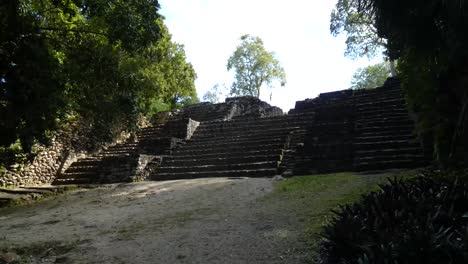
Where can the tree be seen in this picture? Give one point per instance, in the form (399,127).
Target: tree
(216,93)
(371,76)
(254,67)
(166,73)
(429,39)
(101,60)
(362,38)
(361,35)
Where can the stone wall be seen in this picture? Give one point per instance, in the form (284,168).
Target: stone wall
(191,128)
(66,147)
(146,165)
(251,106)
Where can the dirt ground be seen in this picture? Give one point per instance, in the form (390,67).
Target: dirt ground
(188,221)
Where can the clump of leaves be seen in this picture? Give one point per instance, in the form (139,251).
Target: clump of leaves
(421,220)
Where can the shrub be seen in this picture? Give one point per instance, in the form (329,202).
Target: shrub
(421,220)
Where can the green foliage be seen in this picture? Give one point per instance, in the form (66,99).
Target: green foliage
(12,154)
(254,67)
(429,39)
(216,94)
(371,76)
(166,73)
(361,34)
(311,198)
(104,61)
(421,220)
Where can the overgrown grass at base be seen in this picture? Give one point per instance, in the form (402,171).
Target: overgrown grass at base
(314,197)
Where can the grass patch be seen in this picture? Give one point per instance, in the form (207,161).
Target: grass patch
(36,197)
(39,252)
(312,198)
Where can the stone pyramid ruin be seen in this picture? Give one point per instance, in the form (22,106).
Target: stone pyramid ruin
(349,130)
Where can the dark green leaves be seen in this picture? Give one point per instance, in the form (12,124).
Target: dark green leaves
(372,76)
(415,221)
(100,60)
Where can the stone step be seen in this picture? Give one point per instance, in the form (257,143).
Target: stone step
(124,144)
(68,181)
(333,154)
(151,129)
(327,126)
(115,155)
(152,136)
(402,156)
(117,151)
(212,174)
(241,142)
(376,108)
(246,132)
(81,168)
(354,99)
(78,175)
(387,123)
(183,152)
(383,132)
(90,161)
(383,112)
(359,100)
(387,152)
(377,96)
(249,127)
(405,129)
(122,149)
(253,134)
(384,117)
(377,138)
(96,166)
(288,119)
(23,190)
(382,103)
(386,145)
(223,167)
(220,138)
(392,164)
(253,152)
(220,161)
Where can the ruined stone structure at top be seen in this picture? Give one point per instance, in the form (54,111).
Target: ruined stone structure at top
(349,130)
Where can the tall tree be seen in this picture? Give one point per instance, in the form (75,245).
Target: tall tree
(166,73)
(87,58)
(429,39)
(371,76)
(254,67)
(362,38)
(361,35)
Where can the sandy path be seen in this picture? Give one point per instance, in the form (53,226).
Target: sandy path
(188,221)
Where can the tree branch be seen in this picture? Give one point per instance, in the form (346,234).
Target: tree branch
(73,30)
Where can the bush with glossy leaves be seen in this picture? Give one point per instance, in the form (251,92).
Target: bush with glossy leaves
(422,220)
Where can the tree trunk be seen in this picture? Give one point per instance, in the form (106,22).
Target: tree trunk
(392,68)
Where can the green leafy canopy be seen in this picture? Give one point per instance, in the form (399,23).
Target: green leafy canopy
(371,76)
(254,67)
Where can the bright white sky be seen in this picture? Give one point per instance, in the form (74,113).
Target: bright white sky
(296,30)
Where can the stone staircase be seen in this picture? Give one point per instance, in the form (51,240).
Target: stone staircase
(242,147)
(245,137)
(110,165)
(376,132)
(385,133)
(120,162)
